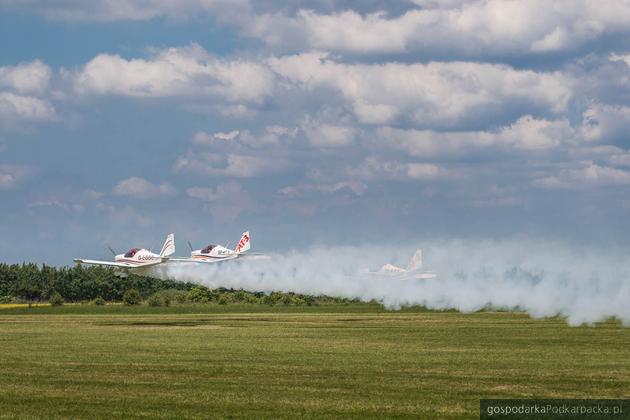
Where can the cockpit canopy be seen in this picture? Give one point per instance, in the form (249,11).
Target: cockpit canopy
(207,249)
(131,252)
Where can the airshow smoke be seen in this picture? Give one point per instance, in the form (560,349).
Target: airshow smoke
(540,278)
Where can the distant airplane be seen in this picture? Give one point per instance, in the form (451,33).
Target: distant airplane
(412,272)
(136,259)
(215,253)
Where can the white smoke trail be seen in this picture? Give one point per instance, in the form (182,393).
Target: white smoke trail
(543,279)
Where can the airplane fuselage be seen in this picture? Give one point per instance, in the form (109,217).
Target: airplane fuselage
(216,253)
(140,257)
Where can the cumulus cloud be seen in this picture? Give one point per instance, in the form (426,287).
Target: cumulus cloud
(375,168)
(29,78)
(116,10)
(525,134)
(229,164)
(136,187)
(22,107)
(225,202)
(188,71)
(586,174)
(418,94)
(22,93)
(437,93)
(201,137)
(272,135)
(622,158)
(455,28)
(321,134)
(356,187)
(12,175)
(609,123)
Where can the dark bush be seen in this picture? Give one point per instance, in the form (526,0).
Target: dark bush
(242,296)
(251,298)
(99,301)
(180,296)
(132,297)
(309,300)
(268,300)
(6,299)
(200,294)
(155,300)
(55,299)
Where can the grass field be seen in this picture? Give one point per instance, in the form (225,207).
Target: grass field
(348,360)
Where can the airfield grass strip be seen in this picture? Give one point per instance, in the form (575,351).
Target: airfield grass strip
(301,364)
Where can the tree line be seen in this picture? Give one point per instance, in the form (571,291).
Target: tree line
(31,282)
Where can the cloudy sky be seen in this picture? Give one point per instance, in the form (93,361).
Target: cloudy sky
(314,122)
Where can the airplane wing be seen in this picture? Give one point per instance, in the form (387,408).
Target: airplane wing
(254,256)
(119,264)
(203,261)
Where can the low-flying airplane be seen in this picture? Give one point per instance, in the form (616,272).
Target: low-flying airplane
(412,272)
(136,259)
(215,253)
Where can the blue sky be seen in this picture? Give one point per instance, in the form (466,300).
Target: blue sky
(316,122)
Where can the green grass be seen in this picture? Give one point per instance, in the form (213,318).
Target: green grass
(287,362)
(201,308)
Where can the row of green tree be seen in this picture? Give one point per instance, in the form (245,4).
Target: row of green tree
(33,283)
(222,296)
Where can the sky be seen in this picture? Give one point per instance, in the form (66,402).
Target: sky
(322,122)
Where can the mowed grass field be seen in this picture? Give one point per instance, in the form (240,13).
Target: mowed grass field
(351,361)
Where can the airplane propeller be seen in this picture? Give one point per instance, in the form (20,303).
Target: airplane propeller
(190,246)
(111,250)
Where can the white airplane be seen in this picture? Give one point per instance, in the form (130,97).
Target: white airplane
(215,253)
(412,272)
(136,259)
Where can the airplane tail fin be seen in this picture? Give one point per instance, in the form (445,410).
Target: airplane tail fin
(416,261)
(168,248)
(244,244)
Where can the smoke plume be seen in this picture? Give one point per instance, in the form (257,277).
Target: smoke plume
(544,279)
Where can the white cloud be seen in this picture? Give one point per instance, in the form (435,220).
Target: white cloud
(374,168)
(91,195)
(270,136)
(138,10)
(201,137)
(12,175)
(141,188)
(23,91)
(14,106)
(606,123)
(356,187)
(29,78)
(525,134)
(620,57)
(229,164)
(321,134)
(587,174)
(187,71)
(225,202)
(620,159)
(237,111)
(470,28)
(279,130)
(442,93)
(344,31)
(244,139)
